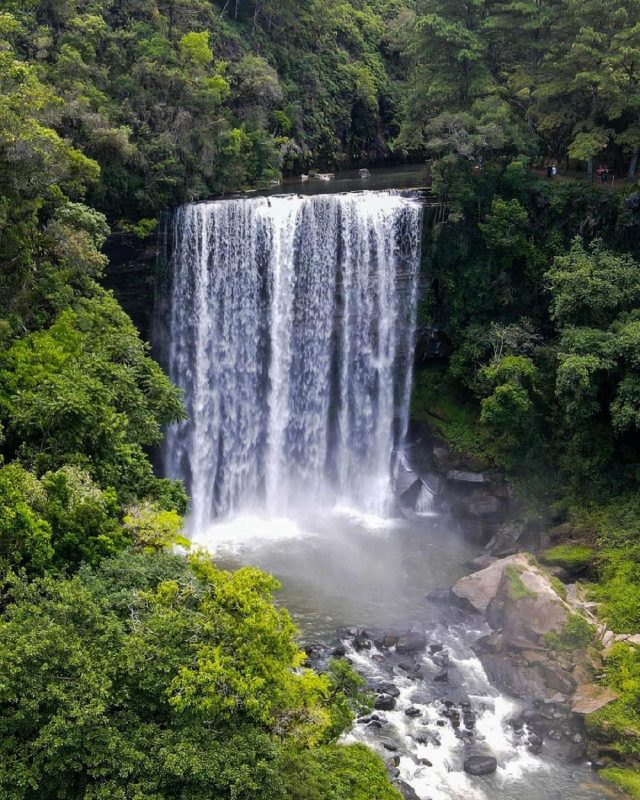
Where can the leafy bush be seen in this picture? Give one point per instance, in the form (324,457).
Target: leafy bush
(576,634)
(163,679)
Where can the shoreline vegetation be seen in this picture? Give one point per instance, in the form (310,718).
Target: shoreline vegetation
(126,672)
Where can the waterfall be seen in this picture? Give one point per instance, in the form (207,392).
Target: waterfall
(289,323)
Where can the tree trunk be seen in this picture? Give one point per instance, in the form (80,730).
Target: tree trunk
(633,166)
(590,167)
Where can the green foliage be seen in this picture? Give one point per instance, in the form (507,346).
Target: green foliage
(592,286)
(158,679)
(156,94)
(334,772)
(493,81)
(154,529)
(25,537)
(85,392)
(576,634)
(570,556)
(619,722)
(627,779)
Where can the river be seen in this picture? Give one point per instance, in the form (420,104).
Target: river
(288,320)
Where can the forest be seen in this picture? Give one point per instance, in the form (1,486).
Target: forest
(127,671)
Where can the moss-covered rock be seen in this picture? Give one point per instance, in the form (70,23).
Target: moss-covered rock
(575,558)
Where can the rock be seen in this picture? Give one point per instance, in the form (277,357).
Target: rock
(440,596)
(590,697)
(517,597)
(581,674)
(339,652)
(466,476)
(362,642)
(405,790)
(517,681)
(427,737)
(556,679)
(420,696)
(393,772)
(389,744)
(442,677)
(409,498)
(534,743)
(482,562)
(488,506)
(403,476)
(481,587)
(384,702)
(412,711)
(387,688)
(494,643)
(480,765)
(506,540)
(411,642)
(435,647)
(442,458)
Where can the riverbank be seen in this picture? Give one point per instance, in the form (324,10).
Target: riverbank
(590,549)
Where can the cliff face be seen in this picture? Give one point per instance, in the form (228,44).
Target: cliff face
(131,277)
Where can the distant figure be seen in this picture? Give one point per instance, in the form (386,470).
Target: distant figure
(364,173)
(554,171)
(604,175)
(549,171)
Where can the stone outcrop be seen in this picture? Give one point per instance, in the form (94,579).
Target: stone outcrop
(517,597)
(590,697)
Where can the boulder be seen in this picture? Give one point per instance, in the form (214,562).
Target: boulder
(480,764)
(556,678)
(590,697)
(506,541)
(486,506)
(480,588)
(517,597)
(386,687)
(411,642)
(384,702)
(466,476)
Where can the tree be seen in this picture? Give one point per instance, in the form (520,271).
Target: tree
(188,686)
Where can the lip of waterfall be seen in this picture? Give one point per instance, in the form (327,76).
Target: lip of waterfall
(289,325)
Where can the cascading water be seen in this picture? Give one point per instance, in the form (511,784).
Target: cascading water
(289,326)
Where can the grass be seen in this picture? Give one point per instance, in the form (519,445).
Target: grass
(618,723)
(573,557)
(558,587)
(614,527)
(517,588)
(626,779)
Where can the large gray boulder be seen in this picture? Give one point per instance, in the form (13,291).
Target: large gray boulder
(517,596)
